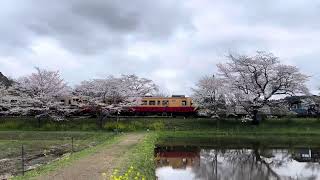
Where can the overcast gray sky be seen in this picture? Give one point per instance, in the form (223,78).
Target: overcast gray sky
(173,42)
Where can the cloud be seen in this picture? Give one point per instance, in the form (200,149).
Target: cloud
(91,26)
(173,42)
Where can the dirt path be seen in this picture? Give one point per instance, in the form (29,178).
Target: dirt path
(93,166)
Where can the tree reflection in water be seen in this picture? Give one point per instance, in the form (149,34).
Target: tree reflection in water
(248,164)
(245,164)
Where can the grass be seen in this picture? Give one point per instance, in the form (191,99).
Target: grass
(32,124)
(307,126)
(42,147)
(141,157)
(67,160)
(185,138)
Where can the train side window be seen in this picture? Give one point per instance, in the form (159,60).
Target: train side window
(152,103)
(165,103)
(184,103)
(144,103)
(159,103)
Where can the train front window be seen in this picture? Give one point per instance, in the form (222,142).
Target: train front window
(165,103)
(184,103)
(152,103)
(144,103)
(159,103)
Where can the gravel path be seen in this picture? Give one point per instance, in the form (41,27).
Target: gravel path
(92,167)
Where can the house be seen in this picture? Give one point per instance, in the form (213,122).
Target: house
(304,105)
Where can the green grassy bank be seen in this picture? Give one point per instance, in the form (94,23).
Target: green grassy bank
(288,126)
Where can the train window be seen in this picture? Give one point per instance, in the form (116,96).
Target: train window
(165,103)
(152,103)
(144,102)
(184,103)
(159,102)
(13,101)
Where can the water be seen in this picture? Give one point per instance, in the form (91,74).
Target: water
(237,162)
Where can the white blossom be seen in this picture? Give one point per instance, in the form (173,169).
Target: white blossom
(210,95)
(44,85)
(255,80)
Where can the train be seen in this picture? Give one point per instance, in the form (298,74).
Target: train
(176,105)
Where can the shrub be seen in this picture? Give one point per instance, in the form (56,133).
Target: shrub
(9,125)
(119,126)
(157,126)
(131,173)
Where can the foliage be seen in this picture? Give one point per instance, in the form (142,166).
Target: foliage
(130,174)
(43,85)
(210,95)
(253,80)
(114,90)
(141,158)
(134,126)
(157,126)
(109,95)
(137,86)
(285,125)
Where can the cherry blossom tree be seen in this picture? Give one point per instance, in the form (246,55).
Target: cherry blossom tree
(210,95)
(15,102)
(162,92)
(137,86)
(114,90)
(3,91)
(255,79)
(110,90)
(43,85)
(109,95)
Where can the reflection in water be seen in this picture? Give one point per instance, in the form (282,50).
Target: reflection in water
(237,164)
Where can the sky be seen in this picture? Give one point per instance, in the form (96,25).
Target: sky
(172,42)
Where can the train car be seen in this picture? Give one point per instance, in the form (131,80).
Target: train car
(177,105)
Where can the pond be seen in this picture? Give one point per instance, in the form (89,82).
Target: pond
(237,160)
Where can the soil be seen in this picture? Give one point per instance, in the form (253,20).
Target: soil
(92,167)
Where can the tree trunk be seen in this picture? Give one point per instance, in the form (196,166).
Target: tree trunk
(100,118)
(256,119)
(39,122)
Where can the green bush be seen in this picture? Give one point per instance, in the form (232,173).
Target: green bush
(88,127)
(9,125)
(157,126)
(112,126)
